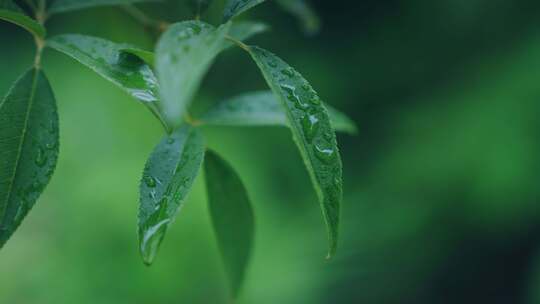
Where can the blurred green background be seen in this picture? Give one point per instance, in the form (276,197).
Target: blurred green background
(441,185)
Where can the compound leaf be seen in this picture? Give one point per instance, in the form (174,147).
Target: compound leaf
(184,54)
(234,8)
(22,20)
(232,217)
(167,179)
(60,6)
(28,148)
(264,109)
(312,132)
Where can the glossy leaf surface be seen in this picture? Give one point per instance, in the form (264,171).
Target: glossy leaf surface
(234,8)
(147,56)
(167,179)
(23,21)
(28,148)
(264,109)
(312,132)
(232,217)
(183,56)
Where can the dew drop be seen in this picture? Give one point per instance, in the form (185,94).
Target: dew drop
(310,124)
(150,181)
(41,158)
(170,140)
(314,100)
(293,97)
(272,63)
(288,72)
(325,155)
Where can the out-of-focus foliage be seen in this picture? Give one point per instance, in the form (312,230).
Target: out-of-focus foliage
(441,197)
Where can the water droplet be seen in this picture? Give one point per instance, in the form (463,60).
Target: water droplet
(150,181)
(325,155)
(41,158)
(291,96)
(306,86)
(272,63)
(310,124)
(151,238)
(314,100)
(170,140)
(50,145)
(288,72)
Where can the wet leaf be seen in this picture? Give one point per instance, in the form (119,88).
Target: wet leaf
(234,8)
(167,179)
(232,217)
(147,56)
(183,56)
(264,109)
(28,148)
(22,20)
(106,59)
(60,6)
(302,10)
(312,131)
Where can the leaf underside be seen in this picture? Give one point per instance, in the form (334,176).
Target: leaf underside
(232,217)
(262,108)
(167,179)
(312,131)
(28,148)
(184,54)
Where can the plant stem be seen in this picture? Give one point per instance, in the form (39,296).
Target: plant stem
(41,17)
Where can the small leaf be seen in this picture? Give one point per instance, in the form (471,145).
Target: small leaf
(168,177)
(302,10)
(146,56)
(106,59)
(183,56)
(28,148)
(264,109)
(244,30)
(23,21)
(312,132)
(60,6)
(234,8)
(232,217)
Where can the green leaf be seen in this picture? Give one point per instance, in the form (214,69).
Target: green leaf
(107,59)
(28,148)
(147,56)
(232,217)
(10,5)
(302,10)
(199,6)
(264,109)
(312,132)
(60,6)
(183,56)
(234,8)
(168,177)
(23,21)
(243,30)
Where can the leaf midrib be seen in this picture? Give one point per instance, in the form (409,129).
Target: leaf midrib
(22,141)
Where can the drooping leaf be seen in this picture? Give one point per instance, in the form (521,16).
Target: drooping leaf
(147,56)
(106,59)
(28,148)
(199,6)
(234,8)
(60,6)
(183,56)
(302,10)
(312,132)
(22,20)
(232,217)
(167,179)
(264,109)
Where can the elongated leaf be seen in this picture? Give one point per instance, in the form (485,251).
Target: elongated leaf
(302,10)
(107,59)
(232,217)
(167,179)
(234,8)
(312,132)
(28,148)
(60,6)
(183,55)
(147,56)
(23,21)
(264,109)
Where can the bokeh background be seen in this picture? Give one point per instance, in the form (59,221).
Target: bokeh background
(441,184)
